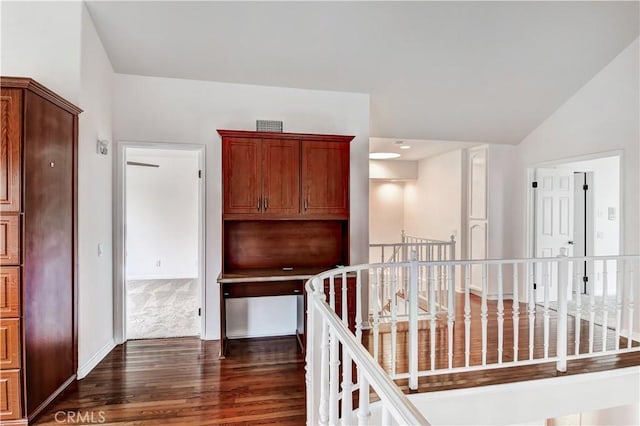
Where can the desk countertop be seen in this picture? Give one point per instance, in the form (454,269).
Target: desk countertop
(270,275)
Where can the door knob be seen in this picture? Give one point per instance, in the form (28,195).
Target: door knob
(570,242)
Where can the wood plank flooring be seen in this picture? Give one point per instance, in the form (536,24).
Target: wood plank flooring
(181,380)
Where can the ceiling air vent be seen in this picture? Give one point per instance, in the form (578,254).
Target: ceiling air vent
(269,126)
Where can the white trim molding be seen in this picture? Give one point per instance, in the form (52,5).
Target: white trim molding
(86,368)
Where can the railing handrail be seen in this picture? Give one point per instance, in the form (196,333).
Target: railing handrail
(360,267)
(400,406)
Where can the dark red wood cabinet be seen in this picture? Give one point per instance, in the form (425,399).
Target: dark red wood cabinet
(38,310)
(285,212)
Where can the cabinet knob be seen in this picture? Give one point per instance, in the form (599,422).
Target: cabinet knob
(226,294)
(258,206)
(296,290)
(52,164)
(266,203)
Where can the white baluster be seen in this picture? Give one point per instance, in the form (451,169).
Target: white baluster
(605,310)
(359,305)
(394,316)
(332,293)
(334,364)
(467,315)
(376,317)
(630,309)
(561,329)
(500,314)
(592,313)
(532,308)
(619,285)
(450,314)
(363,401)
(347,382)
(516,312)
(484,314)
(433,314)
(546,312)
(578,326)
(324,374)
(413,324)
(386,415)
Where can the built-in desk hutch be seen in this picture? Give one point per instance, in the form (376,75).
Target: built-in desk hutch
(285,214)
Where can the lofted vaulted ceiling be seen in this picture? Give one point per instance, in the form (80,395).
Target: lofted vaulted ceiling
(464,71)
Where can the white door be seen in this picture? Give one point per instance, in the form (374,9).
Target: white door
(553,222)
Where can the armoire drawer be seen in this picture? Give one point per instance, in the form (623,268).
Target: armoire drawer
(10,240)
(10,292)
(10,407)
(9,343)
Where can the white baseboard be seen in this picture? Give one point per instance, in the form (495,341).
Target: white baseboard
(245,334)
(86,368)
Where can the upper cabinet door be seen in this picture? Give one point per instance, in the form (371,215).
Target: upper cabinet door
(10,130)
(325,178)
(241,175)
(280,176)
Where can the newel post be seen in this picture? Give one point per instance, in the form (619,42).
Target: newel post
(413,322)
(563,283)
(314,346)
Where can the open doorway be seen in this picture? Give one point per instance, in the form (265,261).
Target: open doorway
(576,207)
(159,229)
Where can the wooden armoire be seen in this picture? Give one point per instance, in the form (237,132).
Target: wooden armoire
(38,299)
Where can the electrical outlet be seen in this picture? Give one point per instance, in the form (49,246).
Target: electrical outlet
(158,263)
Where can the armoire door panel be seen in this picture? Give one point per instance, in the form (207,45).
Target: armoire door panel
(241,179)
(281,176)
(10,407)
(10,292)
(325,177)
(10,132)
(9,343)
(48,305)
(10,240)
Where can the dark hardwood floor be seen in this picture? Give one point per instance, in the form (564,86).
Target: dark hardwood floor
(181,381)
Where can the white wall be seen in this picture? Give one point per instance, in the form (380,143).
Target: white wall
(162,214)
(623,415)
(433,202)
(188,111)
(56,44)
(95,281)
(602,116)
(393,169)
(42,40)
(386,214)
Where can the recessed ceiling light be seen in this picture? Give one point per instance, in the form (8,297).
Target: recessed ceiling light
(383,155)
(405,146)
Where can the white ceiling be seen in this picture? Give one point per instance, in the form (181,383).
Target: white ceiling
(465,71)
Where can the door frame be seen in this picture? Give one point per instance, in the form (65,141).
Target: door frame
(530,228)
(119,239)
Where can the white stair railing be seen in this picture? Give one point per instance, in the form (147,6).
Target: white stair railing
(412,248)
(553,293)
(329,340)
